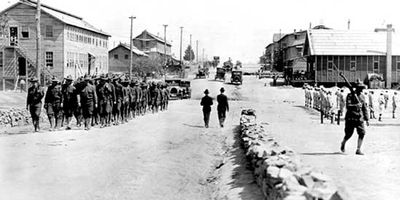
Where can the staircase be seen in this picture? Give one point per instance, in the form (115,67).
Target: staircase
(46,74)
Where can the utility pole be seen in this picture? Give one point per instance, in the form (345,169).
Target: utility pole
(197,51)
(180,54)
(38,42)
(190,54)
(203,56)
(130,46)
(389,29)
(165,43)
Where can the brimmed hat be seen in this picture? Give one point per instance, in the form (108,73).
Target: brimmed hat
(222,89)
(69,78)
(360,85)
(87,78)
(54,79)
(206,91)
(33,79)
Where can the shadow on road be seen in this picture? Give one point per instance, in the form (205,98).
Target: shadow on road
(382,124)
(193,126)
(322,154)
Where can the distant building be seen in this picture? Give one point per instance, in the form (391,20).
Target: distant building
(119,57)
(70,45)
(151,44)
(355,53)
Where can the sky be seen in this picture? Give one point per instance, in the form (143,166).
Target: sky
(227,28)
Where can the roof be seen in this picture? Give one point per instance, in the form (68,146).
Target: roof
(62,16)
(277,36)
(152,36)
(134,49)
(349,42)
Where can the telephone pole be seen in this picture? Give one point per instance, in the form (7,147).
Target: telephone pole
(180,54)
(197,51)
(190,54)
(165,43)
(130,46)
(389,29)
(38,42)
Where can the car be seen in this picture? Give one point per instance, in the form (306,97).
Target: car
(220,75)
(201,74)
(178,88)
(264,74)
(237,77)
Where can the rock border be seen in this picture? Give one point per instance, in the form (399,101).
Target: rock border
(278,170)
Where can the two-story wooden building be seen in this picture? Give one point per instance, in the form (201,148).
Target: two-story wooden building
(152,44)
(355,53)
(120,56)
(69,45)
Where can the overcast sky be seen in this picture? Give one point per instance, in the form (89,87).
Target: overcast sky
(227,28)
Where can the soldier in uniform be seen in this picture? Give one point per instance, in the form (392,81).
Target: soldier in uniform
(356,115)
(87,99)
(118,101)
(222,107)
(158,96)
(125,104)
(144,98)
(104,96)
(113,101)
(34,102)
(70,100)
(206,102)
(134,96)
(53,104)
(79,85)
(395,103)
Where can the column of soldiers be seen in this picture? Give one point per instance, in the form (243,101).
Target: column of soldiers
(332,104)
(103,100)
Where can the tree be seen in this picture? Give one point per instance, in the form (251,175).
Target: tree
(189,54)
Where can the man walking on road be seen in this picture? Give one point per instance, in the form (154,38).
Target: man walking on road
(356,114)
(222,107)
(206,102)
(34,102)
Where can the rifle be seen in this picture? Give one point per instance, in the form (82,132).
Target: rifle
(349,86)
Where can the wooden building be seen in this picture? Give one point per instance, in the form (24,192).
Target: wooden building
(119,58)
(70,45)
(355,53)
(152,44)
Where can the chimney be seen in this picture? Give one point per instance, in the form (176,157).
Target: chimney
(294,31)
(348,24)
(310,26)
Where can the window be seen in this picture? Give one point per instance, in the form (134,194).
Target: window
(353,66)
(397,65)
(1,59)
(376,64)
(49,31)
(49,60)
(116,56)
(25,32)
(126,56)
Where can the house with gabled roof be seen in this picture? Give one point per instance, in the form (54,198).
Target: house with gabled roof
(152,44)
(120,56)
(354,53)
(69,44)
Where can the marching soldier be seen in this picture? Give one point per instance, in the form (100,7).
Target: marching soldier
(134,97)
(104,97)
(79,85)
(118,102)
(70,101)
(125,104)
(356,115)
(53,103)
(88,101)
(395,103)
(113,101)
(166,94)
(34,102)
(371,104)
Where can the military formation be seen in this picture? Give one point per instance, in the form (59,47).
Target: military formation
(332,102)
(102,100)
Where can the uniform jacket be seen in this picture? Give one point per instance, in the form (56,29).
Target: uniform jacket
(35,96)
(54,95)
(356,111)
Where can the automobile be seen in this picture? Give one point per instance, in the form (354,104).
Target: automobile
(201,74)
(178,88)
(264,74)
(220,75)
(237,77)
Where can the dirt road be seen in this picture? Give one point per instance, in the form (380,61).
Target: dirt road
(168,155)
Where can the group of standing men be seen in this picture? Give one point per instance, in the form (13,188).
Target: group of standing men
(101,100)
(332,104)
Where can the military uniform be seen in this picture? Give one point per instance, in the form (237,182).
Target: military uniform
(118,102)
(70,101)
(53,104)
(88,101)
(104,96)
(34,103)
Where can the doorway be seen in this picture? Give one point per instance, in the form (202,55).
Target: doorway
(13,36)
(21,66)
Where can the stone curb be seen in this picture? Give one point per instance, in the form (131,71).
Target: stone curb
(278,170)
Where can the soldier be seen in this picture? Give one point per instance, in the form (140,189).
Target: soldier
(381,102)
(340,102)
(356,114)
(53,104)
(70,100)
(118,101)
(159,96)
(386,97)
(104,96)
(395,103)
(96,111)
(113,101)
(87,99)
(125,104)
(166,95)
(79,85)
(371,104)
(134,97)
(206,102)
(222,107)
(34,102)
(143,98)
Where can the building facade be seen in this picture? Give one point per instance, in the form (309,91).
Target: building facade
(120,56)
(69,45)
(152,44)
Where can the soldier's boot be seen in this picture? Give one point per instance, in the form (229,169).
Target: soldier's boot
(342,146)
(359,143)
(68,121)
(102,122)
(52,123)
